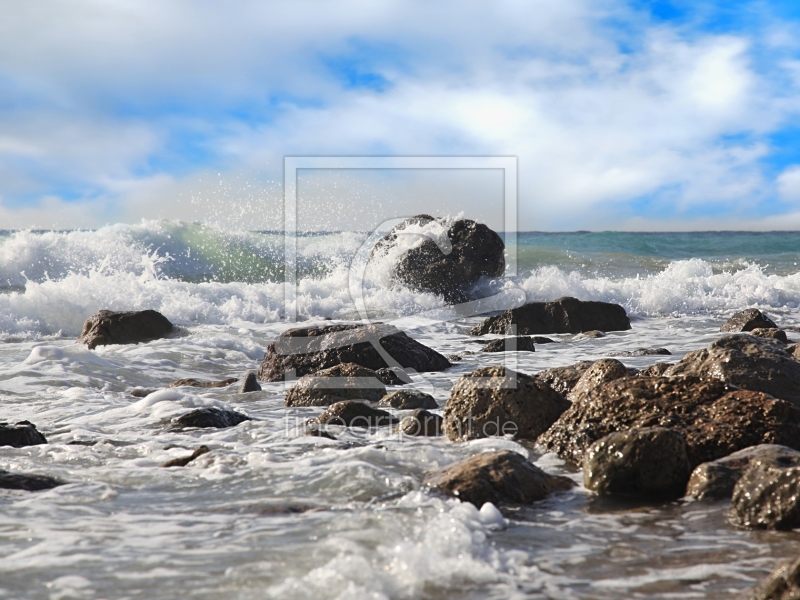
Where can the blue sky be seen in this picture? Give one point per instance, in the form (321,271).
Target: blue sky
(624,114)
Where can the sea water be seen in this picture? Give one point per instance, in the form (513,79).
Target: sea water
(270,513)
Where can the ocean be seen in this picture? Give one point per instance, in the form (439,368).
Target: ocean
(270,513)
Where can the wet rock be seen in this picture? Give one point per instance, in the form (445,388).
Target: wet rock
(794,351)
(27,482)
(317,431)
(502,477)
(422,423)
(20,434)
(643,352)
(563,379)
(714,418)
(141,392)
(249,384)
(655,370)
(185,460)
(409,400)
(565,315)
(310,349)
(493,401)
(519,343)
(771,333)
(716,479)
(747,320)
(748,362)
(767,496)
(346,381)
(393,376)
(606,369)
(475,251)
(453,357)
(644,463)
(351,413)
(782,584)
(208,417)
(108,327)
(201,384)
(538,339)
(592,335)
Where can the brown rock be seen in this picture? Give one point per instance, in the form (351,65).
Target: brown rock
(794,351)
(715,419)
(393,376)
(606,369)
(350,413)
(565,315)
(520,343)
(747,320)
(767,496)
(201,384)
(655,370)
(497,401)
(310,349)
(643,352)
(502,477)
(782,584)
(771,333)
(563,379)
(422,423)
(346,381)
(409,400)
(108,327)
(208,417)
(185,460)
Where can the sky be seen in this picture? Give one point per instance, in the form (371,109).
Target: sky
(622,114)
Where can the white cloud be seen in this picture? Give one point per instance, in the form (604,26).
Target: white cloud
(789,184)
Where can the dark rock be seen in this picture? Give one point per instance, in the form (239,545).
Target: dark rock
(108,327)
(317,431)
(782,584)
(351,413)
(208,417)
(202,384)
(494,401)
(716,479)
(250,384)
(655,370)
(563,379)
(502,477)
(715,419)
(772,333)
(565,315)
(24,481)
(141,392)
(747,320)
(537,339)
(643,352)
(476,252)
(346,381)
(607,369)
(519,343)
(393,376)
(767,496)
(20,434)
(592,335)
(185,460)
(409,400)
(644,463)
(310,349)
(748,362)
(422,423)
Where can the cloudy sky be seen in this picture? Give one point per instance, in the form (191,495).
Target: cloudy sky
(649,115)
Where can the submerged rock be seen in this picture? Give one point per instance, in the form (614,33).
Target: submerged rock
(108,327)
(409,400)
(502,477)
(422,423)
(565,315)
(714,418)
(747,320)
(716,479)
(475,251)
(644,463)
(520,343)
(771,333)
(310,349)
(201,384)
(317,431)
(350,413)
(393,376)
(346,381)
(494,401)
(643,352)
(767,496)
(185,460)
(141,392)
(538,339)
(606,369)
(208,417)
(23,433)
(782,584)
(563,379)
(592,335)
(748,362)
(249,384)
(27,482)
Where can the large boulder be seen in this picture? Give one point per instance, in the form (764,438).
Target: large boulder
(346,381)
(351,413)
(767,496)
(748,362)
(107,327)
(644,463)
(565,315)
(782,584)
(715,480)
(603,370)
(475,251)
(715,418)
(307,350)
(502,477)
(20,434)
(563,379)
(493,401)
(747,320)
